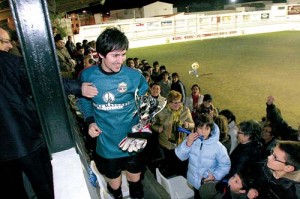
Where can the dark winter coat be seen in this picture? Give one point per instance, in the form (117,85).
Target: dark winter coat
(245,156)
(20,130)
(271,188)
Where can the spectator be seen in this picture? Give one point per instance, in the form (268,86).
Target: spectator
(208,158)
(109,114)
(130,63)
(268,139)
(178,86)
(167,122)
(285,131)
(152,151)
(279,178)
(70,46)
(207,107)
(22,146)
(66,63)
(233,129)
(194,100)
(165,84)
(236,187)
(249,150)
(147,76)
(136,62)
(155,72)
(222,123)
(79,58)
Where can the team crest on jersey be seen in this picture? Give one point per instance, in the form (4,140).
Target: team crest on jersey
(122,88)
(108,97)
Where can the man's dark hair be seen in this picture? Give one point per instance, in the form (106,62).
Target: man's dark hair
(291,149)
(111,39)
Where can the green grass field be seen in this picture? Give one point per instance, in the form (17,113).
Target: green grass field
(239,72)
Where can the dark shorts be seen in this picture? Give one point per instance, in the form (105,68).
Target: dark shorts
(112,168)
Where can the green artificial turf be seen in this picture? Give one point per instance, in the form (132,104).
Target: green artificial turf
(239,72)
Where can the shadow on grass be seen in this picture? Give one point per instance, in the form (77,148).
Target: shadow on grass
(206,74)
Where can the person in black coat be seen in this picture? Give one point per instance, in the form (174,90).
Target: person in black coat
(178,86)
(283,129)
(249,150)
(22,147)
(280,177)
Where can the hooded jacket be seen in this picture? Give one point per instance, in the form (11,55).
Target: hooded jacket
(207,156)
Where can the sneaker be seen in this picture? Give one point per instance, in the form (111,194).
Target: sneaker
(92,178)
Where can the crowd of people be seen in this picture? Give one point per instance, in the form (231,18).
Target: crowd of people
(220,157)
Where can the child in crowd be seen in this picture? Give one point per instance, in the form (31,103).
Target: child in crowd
(236,187)
(207,106)
(280,176)
(208,158)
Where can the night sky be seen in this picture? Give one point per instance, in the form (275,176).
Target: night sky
(126,4)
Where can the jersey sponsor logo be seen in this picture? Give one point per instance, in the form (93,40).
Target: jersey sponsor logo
(122,87)
(108,97)
(107,107)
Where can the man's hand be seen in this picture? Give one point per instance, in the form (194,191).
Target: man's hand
(270,100)
(88,90)
(252,193)
(94,130)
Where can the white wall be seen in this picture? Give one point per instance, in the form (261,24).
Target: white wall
(181,27)
(158,8)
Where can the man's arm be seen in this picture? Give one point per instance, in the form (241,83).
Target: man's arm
(273,114)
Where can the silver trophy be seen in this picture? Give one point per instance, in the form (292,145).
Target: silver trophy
(147,108)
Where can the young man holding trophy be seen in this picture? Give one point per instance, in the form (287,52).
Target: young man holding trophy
(119,114)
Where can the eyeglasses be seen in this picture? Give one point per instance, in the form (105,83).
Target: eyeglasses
(6,41)
(275,157)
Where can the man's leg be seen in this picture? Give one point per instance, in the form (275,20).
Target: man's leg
(133,166)
(114,187)
(11,180)
(38,169)
(135,185)
(112,169)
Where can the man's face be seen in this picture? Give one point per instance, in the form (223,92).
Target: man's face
(174,79)
(5,42)
(276,161)
(60,44)
(155,90)
(267,133)
(235,183)
(113,61)
(130,63)
(207,103)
